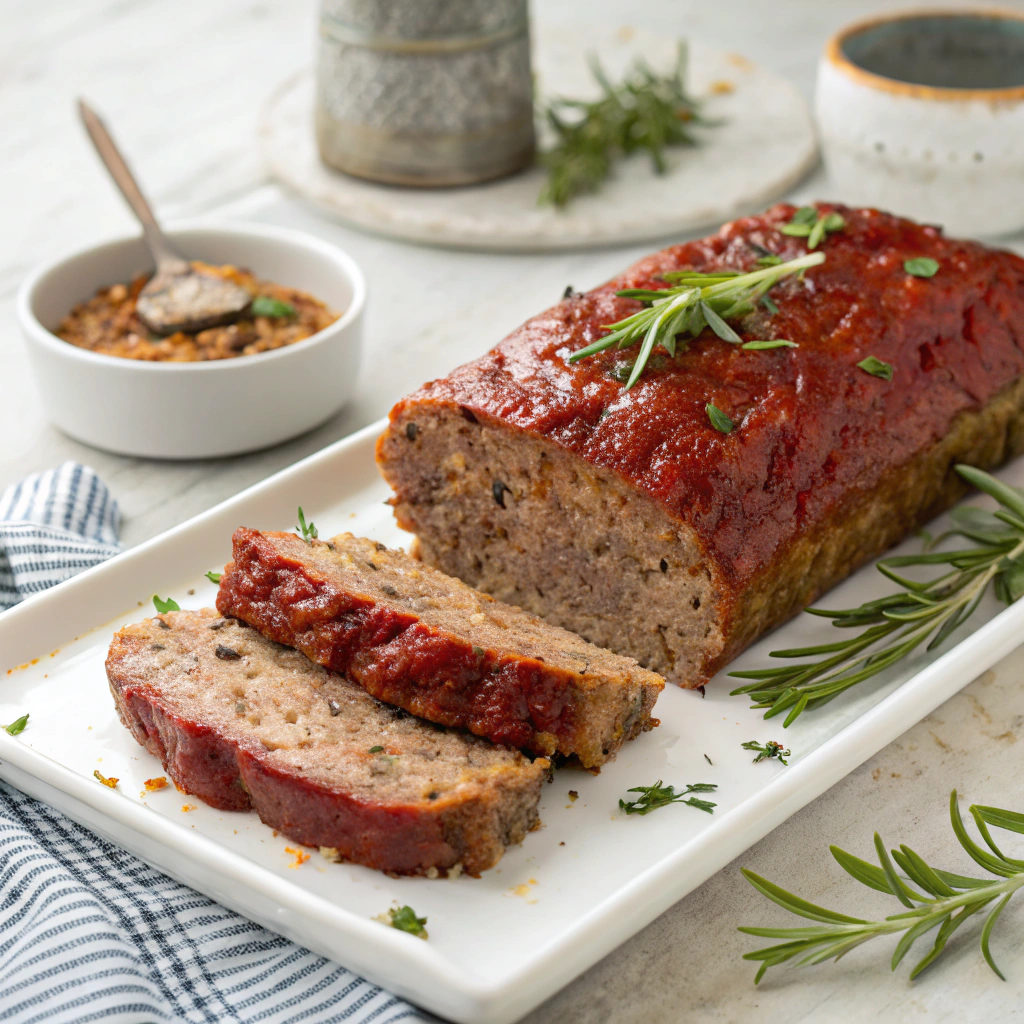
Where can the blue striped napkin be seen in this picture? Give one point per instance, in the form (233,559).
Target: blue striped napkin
(87,931)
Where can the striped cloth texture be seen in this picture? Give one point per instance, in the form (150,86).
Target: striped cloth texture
(88,932)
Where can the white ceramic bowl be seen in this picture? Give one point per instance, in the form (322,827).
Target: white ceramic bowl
(902,128)
(203,409)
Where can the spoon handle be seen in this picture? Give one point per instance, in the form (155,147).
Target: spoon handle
(161,249)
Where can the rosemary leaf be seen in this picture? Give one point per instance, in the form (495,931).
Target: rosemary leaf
(760,346)
(307,530)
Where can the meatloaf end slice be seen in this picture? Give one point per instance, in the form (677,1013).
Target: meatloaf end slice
(426,642)
(244,723)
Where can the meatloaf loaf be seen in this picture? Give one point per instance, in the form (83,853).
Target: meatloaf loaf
(242,722)
(419,639)
(627,517)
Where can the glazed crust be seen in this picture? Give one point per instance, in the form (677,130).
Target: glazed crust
(827,465)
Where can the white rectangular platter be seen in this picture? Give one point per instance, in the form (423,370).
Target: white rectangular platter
(585,882)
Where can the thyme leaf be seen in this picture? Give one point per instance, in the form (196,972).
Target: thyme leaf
(921,266)
(692,301)
(806,223)
(920,613)
(933,898)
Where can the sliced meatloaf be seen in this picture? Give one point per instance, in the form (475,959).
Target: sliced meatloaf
(414,637)
(244,723)
(627,517)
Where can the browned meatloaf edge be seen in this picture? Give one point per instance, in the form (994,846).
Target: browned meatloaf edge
(244,723)
(627,517)
(423,641)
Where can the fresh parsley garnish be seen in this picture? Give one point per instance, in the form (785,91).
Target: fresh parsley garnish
(644,113)
(17,726)
(376,750)
(933,898)
(169,605)
(308,530)
(653,797)
(718,419)
(692,301)
(760,346)
(921,266)
(807,223)
(405,920)
(214,577)
(876,367)
(766,751)
(921,613)
(265,305)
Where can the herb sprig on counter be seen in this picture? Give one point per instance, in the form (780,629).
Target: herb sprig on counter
(895,626)
(645,112)
(691,302)
(933,898)
(653,797)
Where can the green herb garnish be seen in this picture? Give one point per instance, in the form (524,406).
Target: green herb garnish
(16,727)
(765,300)
(645,112)
(264,305)
(876,367)
(693,301)
(766,751)
(934,899)
(806,223)
(658,795)
(921,266)
(376,750)
(405,920)
(308,530)
(896,625)
(718,419)
(760,346)
(170,605)
(214,577)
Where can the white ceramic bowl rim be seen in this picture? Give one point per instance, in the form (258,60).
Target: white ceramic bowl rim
(348,266)
(835,53)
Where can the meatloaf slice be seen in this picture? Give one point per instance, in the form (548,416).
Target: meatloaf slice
(629,518)
(244,723)
(428,643)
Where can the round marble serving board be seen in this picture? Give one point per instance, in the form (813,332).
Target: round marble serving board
(762,146)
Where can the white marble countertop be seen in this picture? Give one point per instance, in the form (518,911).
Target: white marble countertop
(182,86)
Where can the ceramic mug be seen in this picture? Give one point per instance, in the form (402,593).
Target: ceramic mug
(922,114)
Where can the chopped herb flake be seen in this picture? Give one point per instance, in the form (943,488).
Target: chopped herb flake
(214,577)
(308,530)
(405,920)
(760,346)
(921,266)
(766,751)
(876,367)
(170,605)
(376,750)
(718,419)
(17,726)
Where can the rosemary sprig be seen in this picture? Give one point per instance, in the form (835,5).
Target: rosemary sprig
(692,302)
(896,625)
(658,795)
(946,902)
(645,112)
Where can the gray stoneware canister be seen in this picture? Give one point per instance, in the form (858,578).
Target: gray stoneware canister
(425,92)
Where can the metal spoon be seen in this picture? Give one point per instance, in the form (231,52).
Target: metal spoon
(177,297)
